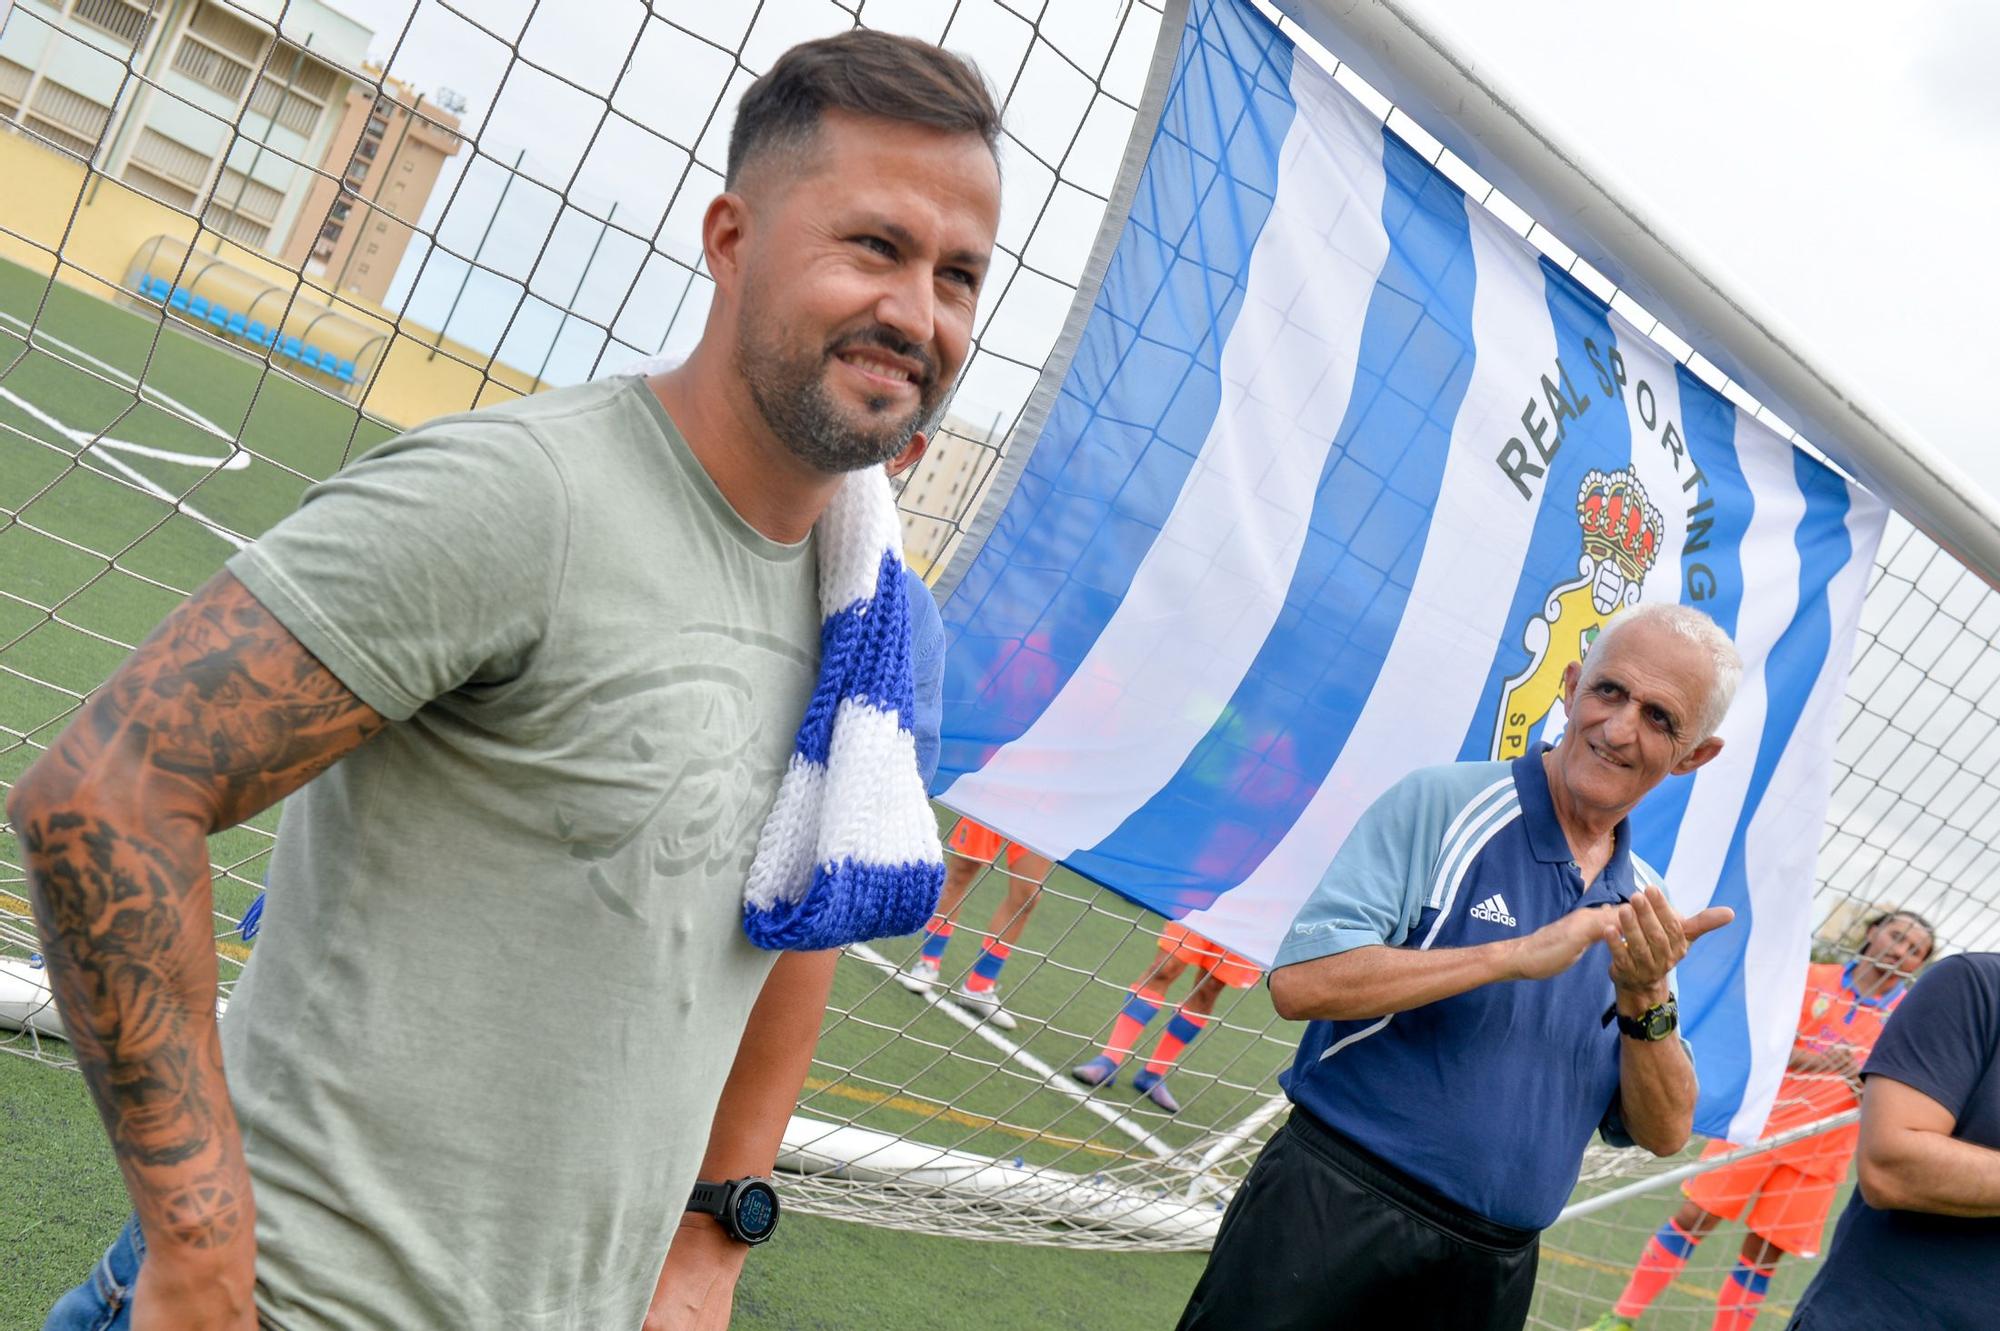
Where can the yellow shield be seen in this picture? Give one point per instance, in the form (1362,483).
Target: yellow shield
(1621,531)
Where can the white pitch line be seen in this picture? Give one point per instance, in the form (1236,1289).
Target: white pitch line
(236,460)
(106,449)
(180,408)
(1049,1075)
(180,505)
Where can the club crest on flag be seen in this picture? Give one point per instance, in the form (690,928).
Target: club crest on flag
(1621,530)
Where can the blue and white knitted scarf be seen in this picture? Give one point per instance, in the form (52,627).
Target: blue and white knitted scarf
(850,850)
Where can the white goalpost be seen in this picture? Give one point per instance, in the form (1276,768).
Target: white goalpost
(203,181)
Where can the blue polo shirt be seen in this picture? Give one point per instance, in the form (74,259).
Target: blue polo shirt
(1488,1097)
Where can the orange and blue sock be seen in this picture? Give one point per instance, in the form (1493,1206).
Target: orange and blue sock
(937,937)
(1180,1033)
(1742,1294)
(1666,1253)
(985,973)
(1129,1026)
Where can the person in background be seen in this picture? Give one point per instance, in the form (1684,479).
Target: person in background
(1180,948)
(1840,1019)
(1919,1242)
(971,850)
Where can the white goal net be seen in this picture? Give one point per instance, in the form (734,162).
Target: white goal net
(248,239)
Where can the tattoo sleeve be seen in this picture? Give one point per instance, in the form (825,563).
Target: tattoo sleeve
(219,714)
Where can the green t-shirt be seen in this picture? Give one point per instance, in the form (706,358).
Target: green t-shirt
(502,977)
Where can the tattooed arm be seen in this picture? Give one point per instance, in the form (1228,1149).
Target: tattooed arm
(219,714)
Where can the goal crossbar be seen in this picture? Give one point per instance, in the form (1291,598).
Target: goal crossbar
(1496,131)
(1604,1201)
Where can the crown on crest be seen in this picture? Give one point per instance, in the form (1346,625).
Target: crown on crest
(1619,522)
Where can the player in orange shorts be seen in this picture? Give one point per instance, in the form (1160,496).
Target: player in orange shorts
(1180,948)
(970,851)
(1795,1185)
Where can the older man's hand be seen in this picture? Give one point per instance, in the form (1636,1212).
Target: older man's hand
(1555,947)
(1652,938)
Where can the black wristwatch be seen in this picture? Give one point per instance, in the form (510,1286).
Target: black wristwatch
(747,1207)
(1655,1023)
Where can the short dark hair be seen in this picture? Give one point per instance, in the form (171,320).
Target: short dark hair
(1869,927)
(866,73)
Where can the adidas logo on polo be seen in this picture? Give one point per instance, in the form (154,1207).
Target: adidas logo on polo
(1494,910)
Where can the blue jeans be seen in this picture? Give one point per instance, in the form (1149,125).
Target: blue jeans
(104,1301)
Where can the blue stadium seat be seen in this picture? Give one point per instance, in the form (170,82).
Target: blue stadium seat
(289,348)
(236,325)
(258,334)
(219,316)
(310,358)
(344,371)
(149,289)
(198,307)
(179,298)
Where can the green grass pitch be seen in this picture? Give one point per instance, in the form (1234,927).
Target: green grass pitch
(86,527)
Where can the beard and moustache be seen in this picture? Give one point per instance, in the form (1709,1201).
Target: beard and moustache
(790,393)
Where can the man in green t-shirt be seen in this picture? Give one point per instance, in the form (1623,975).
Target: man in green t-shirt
(542,666)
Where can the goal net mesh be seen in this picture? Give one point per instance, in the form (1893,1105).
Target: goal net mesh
(250,240)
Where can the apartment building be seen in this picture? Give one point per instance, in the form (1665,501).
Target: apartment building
(207,107)
(942,493)
(385,156)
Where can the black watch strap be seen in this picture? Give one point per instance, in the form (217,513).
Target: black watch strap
(747,1208)
(1655,1023)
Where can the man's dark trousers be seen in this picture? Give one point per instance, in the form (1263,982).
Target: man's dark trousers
(1323,1237)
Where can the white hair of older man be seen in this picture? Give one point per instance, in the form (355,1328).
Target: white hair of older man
(1725,665)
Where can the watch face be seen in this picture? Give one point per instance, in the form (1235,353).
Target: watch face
(1661,1021)
(756,1211)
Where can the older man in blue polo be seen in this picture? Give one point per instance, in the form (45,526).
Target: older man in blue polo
(1486,968)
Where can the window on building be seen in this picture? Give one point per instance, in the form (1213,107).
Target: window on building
(243,209)
(13,87)
(220,50)
(128,22)
(295,89)
(66,118)
(167,169)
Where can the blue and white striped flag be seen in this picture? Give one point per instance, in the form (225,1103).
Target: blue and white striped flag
(1340,476)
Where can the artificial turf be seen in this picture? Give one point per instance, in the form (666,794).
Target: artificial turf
(92,554)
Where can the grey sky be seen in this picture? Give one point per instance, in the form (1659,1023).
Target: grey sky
(1838,162)
(1840,159)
